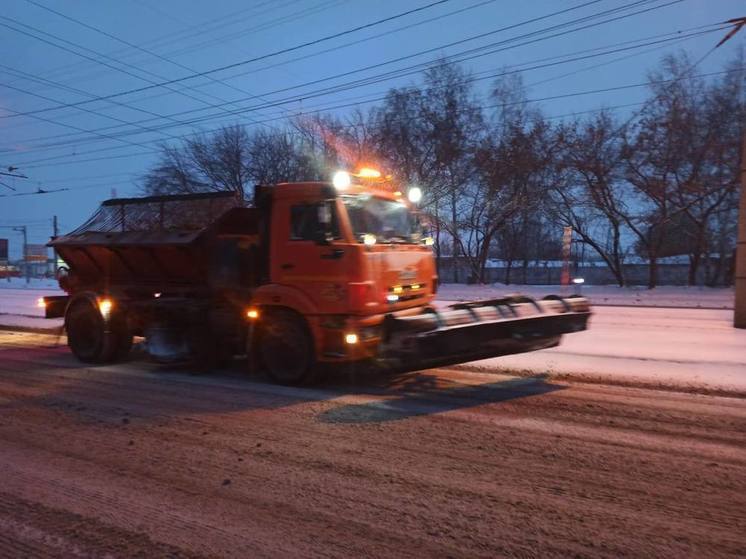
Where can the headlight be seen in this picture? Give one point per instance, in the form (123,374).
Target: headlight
(415,194)
(351,339)
(341,180)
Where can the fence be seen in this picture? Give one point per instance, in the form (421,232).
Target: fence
(594,273)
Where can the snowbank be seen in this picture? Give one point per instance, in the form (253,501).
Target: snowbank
(667,296)
(18,303)
(34,283)
(685,349)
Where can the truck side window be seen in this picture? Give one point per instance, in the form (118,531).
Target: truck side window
(305,224)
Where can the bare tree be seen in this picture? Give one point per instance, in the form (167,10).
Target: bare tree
(709,192)
(202,163)
(513,165)
(456,127)
(506,183)
(427,135)
(680,158)
(525,237)
(588,196)
(232,159)
(277,156)
(509,162)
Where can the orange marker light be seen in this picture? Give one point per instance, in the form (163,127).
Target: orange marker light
(253,314)
(41,303)
(369,173)
(105,305)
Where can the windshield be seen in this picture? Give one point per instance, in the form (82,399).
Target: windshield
(388,220)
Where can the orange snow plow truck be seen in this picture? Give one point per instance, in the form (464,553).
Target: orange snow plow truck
(312,274)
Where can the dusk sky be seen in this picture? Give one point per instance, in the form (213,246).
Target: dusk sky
(79,150)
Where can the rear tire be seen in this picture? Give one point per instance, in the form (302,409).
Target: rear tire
(93,339)
(286,348)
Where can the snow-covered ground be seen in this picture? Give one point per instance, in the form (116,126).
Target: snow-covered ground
(18,302)
(33,283)
(677,348)
(667,296)
(673,347)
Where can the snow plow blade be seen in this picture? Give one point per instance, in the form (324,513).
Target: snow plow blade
(479,330)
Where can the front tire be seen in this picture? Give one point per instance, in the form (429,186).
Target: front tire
(286,348)
(93,339)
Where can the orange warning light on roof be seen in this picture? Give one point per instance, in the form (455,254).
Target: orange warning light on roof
(369,173)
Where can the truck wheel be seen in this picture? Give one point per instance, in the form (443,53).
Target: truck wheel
(286,348)
(93,341)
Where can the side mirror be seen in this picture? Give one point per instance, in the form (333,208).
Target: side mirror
(324,234)
(325,214)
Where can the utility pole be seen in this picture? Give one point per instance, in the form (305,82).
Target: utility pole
(22,229)
(55,232)
(739,307)
(739,314)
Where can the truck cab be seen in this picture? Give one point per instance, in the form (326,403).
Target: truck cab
(344,256)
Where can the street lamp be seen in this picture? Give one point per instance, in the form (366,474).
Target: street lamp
(579,282)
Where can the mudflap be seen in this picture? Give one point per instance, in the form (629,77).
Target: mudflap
(482,329)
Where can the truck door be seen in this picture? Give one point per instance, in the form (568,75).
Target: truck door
(311,255)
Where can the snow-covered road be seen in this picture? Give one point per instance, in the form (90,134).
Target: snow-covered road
(138,460)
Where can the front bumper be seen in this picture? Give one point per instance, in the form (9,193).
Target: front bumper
(465,332)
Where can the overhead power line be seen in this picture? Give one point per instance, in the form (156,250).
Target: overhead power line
(563,59)
(200,29)
(337,47)
(141,49)
(241,63)
(11,173)
(504,71)
(101,59)
(417,67)
(106,136)
(83,109)
(256,28)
